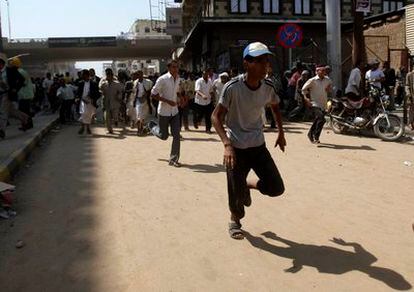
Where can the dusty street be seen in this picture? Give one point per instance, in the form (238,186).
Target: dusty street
(108,214)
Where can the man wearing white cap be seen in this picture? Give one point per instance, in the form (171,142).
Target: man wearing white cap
(219,83)
(11,81)
(87,95)
(142,100)
(203,99)
(240,106)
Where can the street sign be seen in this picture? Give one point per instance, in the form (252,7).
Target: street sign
(82,42)
(290,35)
(363,6)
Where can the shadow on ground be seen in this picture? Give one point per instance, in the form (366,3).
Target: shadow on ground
(345,147)
(193,139)
(55,220)
(202,168)
(327,259)
(205,168)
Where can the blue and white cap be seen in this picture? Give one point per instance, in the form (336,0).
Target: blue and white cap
(256,49)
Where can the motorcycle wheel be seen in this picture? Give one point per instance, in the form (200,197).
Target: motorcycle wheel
(392,132)
(337,128)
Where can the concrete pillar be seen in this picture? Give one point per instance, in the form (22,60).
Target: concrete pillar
(1,37)
(333,38)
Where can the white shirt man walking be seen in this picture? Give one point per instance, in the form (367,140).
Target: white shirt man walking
(166,90)
(315,92)
(204,106)
(354,82)
(112,91)
(142,101)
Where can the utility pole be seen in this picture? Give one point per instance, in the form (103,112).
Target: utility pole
(8,18)
(333,39)
(1,36)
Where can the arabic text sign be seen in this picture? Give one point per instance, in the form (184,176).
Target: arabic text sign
(82,42)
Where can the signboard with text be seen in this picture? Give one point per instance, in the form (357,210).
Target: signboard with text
(85,42)
(363,6)
(174,18)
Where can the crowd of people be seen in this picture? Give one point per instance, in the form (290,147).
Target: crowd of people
(238,106)
(127,98)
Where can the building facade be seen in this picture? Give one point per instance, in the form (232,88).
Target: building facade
(216,31)
(142,29)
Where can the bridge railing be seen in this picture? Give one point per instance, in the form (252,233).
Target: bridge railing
(143,37)
(43,43)
(26,43)
(28,40)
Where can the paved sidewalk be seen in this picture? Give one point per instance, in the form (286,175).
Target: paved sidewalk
(18,145)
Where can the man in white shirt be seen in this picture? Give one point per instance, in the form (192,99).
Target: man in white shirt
(66,93)
(142,101)
(315,92)
(88,95)
(375,76)
(112,91)
(46,84)
(166,90)
(219,83)
(354,82)
(204,106)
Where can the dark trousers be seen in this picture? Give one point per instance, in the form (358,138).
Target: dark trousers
(204,111)
(155,103)
(317,126)
(270,182)
(65,113)
(161,131)
(25,105)
(184,111)
(270,117)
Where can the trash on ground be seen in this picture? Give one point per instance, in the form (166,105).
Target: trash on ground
(20,244)
(5,187)
(408,163)
(6,201)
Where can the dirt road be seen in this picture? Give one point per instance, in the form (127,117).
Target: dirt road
(108,214)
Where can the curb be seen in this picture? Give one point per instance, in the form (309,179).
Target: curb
(11,165)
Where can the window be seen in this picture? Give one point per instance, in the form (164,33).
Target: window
(391,5)
(271,6)
(302,7)
(238,6)
(147,30)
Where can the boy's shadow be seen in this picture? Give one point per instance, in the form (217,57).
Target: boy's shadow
(327,259)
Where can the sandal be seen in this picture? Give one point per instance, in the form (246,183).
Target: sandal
(235,231)
(175,164)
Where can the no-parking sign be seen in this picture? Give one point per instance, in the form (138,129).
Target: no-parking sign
(290,35)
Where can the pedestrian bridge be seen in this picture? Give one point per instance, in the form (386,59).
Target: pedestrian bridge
(90,48)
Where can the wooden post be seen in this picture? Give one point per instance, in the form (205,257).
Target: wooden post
(358,41)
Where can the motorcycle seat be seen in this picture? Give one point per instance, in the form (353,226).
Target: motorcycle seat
(354,104)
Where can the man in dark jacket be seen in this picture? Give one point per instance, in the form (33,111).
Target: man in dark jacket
(87,95)
(11,81)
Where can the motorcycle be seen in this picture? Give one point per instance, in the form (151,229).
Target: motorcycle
(368,113)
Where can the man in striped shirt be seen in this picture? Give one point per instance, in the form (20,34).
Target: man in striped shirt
(241,105)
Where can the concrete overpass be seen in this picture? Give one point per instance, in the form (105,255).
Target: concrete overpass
(90,48)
